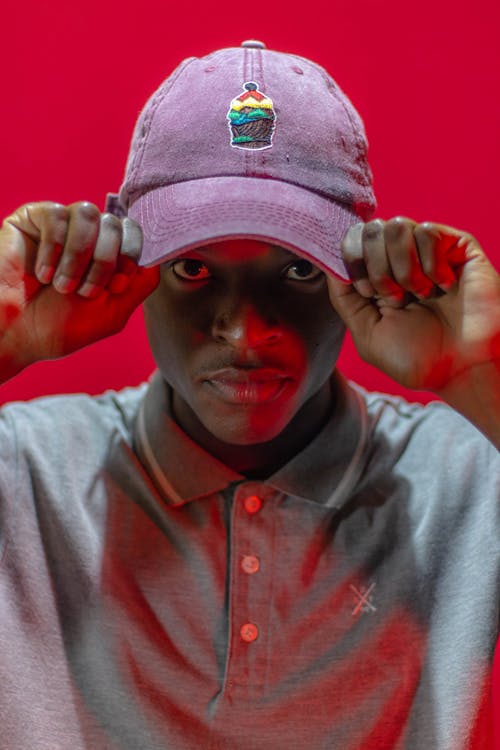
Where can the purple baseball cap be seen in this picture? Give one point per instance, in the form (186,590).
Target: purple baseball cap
(248,143)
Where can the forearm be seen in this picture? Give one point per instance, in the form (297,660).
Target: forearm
(476,395)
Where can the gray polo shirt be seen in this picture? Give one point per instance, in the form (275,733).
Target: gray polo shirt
(150,601)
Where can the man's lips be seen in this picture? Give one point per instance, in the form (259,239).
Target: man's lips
(240,385)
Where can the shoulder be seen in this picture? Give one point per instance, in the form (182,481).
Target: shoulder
(401,422)
(58,424)
(429,443)
(55,451)
(434,477)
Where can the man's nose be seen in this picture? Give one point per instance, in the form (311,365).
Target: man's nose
(243,326)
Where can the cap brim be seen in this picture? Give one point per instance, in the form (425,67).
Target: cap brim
(177,218)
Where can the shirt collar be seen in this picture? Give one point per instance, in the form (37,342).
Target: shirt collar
(327,469)
(323,472)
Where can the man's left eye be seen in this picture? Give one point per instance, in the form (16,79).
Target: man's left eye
(190,269)
(302,270)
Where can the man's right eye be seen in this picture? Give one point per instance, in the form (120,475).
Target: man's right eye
(190,269)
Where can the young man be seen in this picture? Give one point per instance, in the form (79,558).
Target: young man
(249,552)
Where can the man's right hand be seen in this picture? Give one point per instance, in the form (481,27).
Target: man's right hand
(68,277)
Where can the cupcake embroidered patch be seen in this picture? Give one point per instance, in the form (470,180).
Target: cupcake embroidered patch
(251,119)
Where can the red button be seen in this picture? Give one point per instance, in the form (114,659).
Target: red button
(249,632)
(250,564)
(252,503)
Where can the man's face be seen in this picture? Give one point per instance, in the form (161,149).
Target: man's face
(245,334)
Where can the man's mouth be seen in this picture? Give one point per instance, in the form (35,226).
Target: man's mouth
(238,385)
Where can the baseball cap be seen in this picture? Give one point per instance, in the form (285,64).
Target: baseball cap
(253,143)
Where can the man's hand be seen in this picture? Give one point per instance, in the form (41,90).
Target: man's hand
(424,307)
(68,277)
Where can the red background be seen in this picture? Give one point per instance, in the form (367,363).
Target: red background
(424,76)
(426,81)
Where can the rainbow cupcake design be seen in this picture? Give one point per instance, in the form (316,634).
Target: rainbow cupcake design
(251,119)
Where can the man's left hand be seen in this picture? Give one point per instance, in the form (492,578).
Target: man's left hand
(423,304)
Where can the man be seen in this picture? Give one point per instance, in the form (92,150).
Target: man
(249,552)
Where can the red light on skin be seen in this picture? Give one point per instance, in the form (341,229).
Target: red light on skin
(248,387)
(247,338)
(254,404)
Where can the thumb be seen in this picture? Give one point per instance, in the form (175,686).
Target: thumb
(357,312)
(142,284)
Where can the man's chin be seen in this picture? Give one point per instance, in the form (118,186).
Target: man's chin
(242,431)
(211,418)
(247,420)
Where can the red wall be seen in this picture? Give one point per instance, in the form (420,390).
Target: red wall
(426,81)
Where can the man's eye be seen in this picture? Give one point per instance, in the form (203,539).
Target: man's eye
(191,269)
(302,270)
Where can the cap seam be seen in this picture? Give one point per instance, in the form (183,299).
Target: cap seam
(259,157)
(248,76)
(133,197)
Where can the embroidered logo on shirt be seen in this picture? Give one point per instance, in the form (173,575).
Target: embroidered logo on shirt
(251,119)
(364,599)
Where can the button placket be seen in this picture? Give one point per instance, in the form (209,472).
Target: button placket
(249,591)
(249,563)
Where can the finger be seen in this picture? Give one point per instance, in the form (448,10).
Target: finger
(435,247)
(83,230)
(143,283)
(359,314)
(41,229)
(352,251)
(378,265)
(126,269)
(129,255)
(104,259)
(131,239)
(404,258)
(52,222)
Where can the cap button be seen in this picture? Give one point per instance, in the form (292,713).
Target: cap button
(254,43)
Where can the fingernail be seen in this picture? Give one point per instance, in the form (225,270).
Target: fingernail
(90,290)
(44,274)
(64,284)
